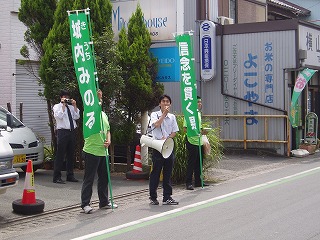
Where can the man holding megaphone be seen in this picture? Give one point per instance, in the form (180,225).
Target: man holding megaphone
(164,125)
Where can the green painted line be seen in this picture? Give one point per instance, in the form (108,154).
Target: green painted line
(209,203)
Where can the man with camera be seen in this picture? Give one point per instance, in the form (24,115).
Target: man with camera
(65,114)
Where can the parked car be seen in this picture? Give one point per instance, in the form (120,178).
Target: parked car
(23,141)
(8,175)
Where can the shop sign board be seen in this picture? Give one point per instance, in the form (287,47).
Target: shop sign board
(251,71)
(207,50)
(311,128)
(309,40)
(168,64)
(160,17)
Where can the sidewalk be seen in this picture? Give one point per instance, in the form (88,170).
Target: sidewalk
(241,165)
(56,196)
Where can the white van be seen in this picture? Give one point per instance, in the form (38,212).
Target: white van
(8,175)
(23,141)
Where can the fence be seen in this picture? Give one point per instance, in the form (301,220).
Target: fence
(265,139)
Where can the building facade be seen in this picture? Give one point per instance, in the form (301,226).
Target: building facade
(18,83)
(249,45)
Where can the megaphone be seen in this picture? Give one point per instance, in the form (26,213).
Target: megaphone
(165,147)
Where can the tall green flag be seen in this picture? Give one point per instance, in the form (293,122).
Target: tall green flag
(301,81)
(83,59)
(188,84)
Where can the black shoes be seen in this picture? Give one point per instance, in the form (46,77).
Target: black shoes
(170,201)
(154,201)
(189,187)
(199,185)
(72,179)
(69,179)
(59,181)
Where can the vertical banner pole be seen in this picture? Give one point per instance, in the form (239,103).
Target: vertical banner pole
(301,81)
(189,88)
(86,72)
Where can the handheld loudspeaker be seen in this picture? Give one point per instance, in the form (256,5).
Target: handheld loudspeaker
(165,147)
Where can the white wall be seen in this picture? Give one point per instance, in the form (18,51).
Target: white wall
(22,87)
(11,40)
(6,82)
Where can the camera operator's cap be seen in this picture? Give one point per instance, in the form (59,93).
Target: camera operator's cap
(64,93)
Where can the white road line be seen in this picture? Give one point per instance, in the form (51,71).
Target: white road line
(181,209)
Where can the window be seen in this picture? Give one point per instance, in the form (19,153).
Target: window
(251,11)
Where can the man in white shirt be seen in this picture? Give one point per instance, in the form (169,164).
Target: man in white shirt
(65,114)
(164,125)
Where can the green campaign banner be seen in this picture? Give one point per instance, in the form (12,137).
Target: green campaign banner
(188,84)
(303,78)
(83,59)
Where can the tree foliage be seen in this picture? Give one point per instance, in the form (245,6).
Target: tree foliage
(59,36)
(37,16)
(139,69)
(109,70)
(57,69)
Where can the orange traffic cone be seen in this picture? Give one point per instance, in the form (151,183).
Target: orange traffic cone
(29,193)
(28,204)
(137,164)
(136,172)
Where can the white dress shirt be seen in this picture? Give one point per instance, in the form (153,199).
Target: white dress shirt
(168,126)
(62,119)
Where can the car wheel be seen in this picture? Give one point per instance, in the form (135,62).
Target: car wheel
(28,209)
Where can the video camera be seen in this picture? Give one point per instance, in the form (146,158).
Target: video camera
(68,101)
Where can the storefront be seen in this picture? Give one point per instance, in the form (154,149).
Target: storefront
(256,75)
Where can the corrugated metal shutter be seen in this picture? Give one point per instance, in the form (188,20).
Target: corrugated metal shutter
(236,48)
(34,111)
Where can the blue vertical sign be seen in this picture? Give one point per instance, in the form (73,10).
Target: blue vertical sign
(207,50)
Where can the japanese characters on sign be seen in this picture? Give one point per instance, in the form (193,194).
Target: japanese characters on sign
(188,85)
(313,42)
(251,82)
(82,54)
(207,50)
(309,40)
(311,128)
(268,70)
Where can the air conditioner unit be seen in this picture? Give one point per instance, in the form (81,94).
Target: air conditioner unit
(225,20)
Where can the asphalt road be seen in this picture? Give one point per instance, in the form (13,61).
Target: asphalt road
(243,204)
(282,204)
(57,196)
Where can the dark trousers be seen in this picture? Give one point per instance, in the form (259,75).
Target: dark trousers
(92,165)
(66,141)
(193,166)
(159,163)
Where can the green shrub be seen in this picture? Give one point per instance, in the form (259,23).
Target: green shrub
(181,153)
(49,153)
